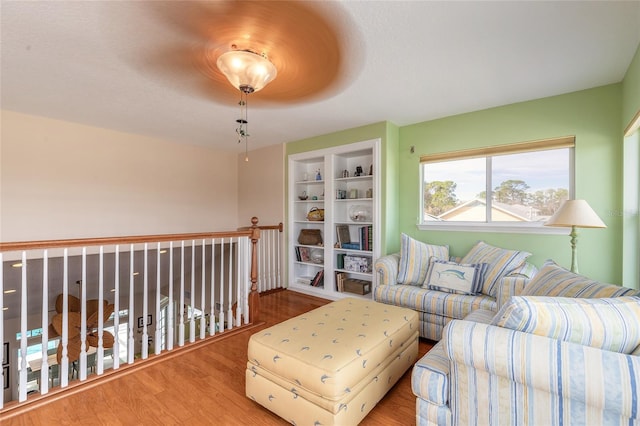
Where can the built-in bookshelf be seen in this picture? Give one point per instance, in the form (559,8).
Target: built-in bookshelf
(343,182)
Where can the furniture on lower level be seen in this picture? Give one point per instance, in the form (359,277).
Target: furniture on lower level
(403,281)
(333,364)
(566,351)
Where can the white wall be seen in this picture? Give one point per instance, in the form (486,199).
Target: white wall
(261,185)
(65,180)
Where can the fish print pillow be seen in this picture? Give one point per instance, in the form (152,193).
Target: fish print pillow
(455,277)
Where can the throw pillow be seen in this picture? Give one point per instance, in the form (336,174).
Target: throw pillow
(554,280)
(455,277)
(414,259)
(611,324)
(501,262)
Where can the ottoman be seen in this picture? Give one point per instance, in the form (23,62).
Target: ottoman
(333,364)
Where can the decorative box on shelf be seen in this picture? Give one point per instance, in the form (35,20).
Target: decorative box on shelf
(357,286)
(357,264)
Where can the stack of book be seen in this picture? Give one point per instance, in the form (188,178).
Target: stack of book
(365,234)
(318,280)
(340,279)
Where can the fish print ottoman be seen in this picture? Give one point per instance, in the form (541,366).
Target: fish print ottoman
(333,364)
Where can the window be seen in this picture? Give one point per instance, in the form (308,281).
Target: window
(504,187)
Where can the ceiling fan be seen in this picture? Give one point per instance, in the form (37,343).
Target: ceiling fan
(74,318)
(298,37)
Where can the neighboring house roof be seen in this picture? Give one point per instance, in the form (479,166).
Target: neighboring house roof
(475,211)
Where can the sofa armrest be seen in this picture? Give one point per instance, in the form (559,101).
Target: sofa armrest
(513,283)
(387,269)
(569,383)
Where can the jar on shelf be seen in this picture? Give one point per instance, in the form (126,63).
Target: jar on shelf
(359,213)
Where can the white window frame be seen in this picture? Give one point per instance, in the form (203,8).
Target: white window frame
(488,153)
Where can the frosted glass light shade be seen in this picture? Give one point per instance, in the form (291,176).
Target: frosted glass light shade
(246,69)
(576,213)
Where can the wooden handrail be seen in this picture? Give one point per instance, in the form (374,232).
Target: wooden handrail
(85,242)
(279,227)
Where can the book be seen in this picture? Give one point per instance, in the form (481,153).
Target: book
(318,280)
(342,232)
(340,278)
(304,254)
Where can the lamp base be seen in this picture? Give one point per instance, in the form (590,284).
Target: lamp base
(574,250)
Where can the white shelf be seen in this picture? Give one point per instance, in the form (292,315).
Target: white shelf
(332,164)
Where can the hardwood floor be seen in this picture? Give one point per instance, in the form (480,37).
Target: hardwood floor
(203,386)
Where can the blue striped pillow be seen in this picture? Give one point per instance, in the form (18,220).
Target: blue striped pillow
(612,324)
(501,262)
(414,259)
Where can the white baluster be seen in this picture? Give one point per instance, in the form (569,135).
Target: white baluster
(170,316)
(116,308)
(23,332)
(157,340)
(246,280)
(279,257)
(221,320)
(230,312)
(239,284)
(203,320)
(192,294)
(144,342)
(212,313)
(100,351)
(181,313)
(82,369)
(63,369)
(131,319)
(44,338)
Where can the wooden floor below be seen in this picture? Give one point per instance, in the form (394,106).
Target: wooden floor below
(204,386)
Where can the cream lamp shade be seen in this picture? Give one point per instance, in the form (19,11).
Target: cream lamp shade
(575,214)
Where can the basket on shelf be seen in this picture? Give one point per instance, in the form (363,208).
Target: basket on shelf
(316,214)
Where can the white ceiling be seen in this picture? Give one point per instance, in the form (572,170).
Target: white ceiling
(406,62)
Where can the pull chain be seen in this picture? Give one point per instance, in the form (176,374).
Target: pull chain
(243,123)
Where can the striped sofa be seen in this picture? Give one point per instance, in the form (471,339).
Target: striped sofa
(401,282)
(565,351)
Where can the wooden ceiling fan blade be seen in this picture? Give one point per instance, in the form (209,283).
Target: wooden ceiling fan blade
(73,350)
(73,303)
(73,324)
(108,340)
(93,305)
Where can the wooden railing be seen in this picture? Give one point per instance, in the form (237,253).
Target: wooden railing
(270,257)
(134,295)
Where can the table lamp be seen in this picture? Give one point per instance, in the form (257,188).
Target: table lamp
(576,214)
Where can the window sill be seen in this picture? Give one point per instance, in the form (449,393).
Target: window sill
(534,228)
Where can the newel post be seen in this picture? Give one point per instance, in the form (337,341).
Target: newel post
(254,297)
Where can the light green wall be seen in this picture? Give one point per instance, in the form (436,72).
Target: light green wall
(388,134)
(631,90)
(593,116)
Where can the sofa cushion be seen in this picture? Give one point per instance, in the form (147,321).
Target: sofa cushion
(435,302)
(414,259)
(554,280)
(455,277)
(501,262)
(611,324)
(430,376)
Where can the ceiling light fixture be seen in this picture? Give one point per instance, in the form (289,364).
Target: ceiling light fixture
(248,72)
